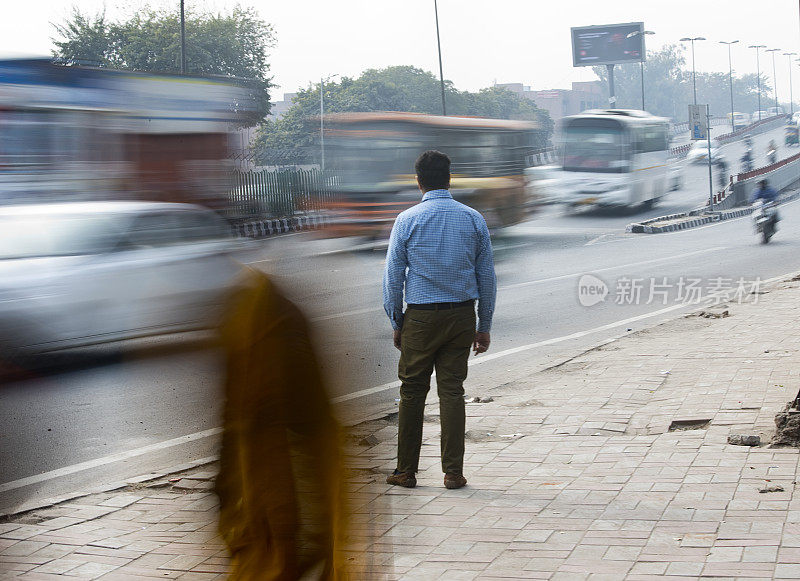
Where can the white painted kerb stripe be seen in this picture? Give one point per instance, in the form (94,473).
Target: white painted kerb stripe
(67,470)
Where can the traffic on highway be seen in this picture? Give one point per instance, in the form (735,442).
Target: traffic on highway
(150,218)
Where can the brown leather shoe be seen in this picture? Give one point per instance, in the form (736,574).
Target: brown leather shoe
(405,479)
(452,481)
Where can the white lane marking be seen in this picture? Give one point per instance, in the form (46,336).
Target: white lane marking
(522,348)
(608,268)
(67,470)
(515,230)
(539,280)
(97,462)
(345,314)
(598,239)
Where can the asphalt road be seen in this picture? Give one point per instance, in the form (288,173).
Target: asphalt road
(115,412)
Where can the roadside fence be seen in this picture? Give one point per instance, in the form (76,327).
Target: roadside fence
(282,193)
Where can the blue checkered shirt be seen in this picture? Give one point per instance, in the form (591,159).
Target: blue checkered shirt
(441,251)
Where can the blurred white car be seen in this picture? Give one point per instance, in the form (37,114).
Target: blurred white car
(699,151)
(77,274)
(542,183)
(740,120)
(764,115)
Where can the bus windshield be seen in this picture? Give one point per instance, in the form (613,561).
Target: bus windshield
(595,149)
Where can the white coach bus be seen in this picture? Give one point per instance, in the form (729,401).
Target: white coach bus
(614,157)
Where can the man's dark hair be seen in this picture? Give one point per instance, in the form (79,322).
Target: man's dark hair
(433,170)
(763,183)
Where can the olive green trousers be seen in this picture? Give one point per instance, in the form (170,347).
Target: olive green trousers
(440,340)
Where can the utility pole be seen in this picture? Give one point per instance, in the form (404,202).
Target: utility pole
(730,77)
(758,75)
(322,123)
(774,77)
(644,54)
(791,92)
(322,119)
(612,98)
(183,41)
(694,83)
(439,46)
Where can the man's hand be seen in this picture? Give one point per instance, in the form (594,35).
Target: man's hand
(396,339)
(481,343)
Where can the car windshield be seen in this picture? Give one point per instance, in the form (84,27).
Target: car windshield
(35,236)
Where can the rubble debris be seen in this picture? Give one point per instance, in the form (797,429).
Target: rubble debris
(771,488)
(692,424)
(744,440)
(787,427)
(714,314)
(369,441)
(478,399)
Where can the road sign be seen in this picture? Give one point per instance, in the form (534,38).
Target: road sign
(608,44)
(698,122)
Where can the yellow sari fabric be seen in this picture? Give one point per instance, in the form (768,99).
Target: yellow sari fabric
(281,479)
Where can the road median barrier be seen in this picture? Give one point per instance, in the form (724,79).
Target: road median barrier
(732,202)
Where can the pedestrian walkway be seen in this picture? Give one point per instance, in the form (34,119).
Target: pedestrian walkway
(612,465)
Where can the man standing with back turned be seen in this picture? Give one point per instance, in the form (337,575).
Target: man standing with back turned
(446,249)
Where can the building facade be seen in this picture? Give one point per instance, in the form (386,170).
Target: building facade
(562,102)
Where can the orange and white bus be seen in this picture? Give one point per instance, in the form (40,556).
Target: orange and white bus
(372,158)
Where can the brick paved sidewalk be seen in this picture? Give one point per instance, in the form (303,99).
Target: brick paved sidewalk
(613,465)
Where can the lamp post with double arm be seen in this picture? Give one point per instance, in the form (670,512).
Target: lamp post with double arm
(791,92)
(730,77)
(774,77)
(694,83)
(644,54)
(758,75)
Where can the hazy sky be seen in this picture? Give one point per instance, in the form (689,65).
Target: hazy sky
(482,41)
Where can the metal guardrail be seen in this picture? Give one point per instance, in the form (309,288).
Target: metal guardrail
(681,127)
(752,129)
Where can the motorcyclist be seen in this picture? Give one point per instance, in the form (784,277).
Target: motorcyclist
(772,151)
(722,166)
(765,193)
(747,160)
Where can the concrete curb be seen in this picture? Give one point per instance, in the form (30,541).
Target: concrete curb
(646,227)
(264,228)
(110,487)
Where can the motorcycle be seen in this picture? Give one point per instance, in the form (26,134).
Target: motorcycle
(765,219)
(772,156)
(747,162)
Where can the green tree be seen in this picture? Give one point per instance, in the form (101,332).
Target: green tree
(397,88)
(233,45)
(668,86)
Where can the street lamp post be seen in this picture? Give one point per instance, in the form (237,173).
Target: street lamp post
(730,77)
(758,75)
(774,77)
(694,83)
(183,41)
(791,96)
(644,54)
(439,46)
(322,118)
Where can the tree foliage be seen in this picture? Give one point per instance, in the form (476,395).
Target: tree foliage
(668,86)
(397,88)
(233,45)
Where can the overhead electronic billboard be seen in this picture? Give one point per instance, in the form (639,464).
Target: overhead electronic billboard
(609,44)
